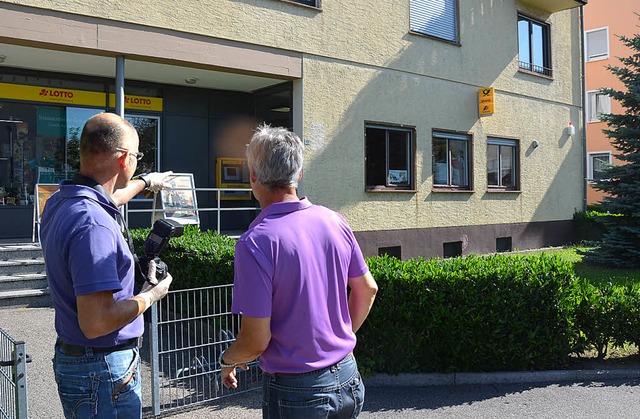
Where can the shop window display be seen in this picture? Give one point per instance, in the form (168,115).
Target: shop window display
(41,144)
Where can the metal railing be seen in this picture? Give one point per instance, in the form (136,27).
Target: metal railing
(189,330)
(13,378)
(218,208)
(525,65)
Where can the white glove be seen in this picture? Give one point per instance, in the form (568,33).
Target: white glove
(152,290)
(156,180)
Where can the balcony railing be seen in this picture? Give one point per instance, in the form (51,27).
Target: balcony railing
(535,68)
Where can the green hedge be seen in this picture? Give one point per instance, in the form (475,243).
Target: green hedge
(591,224)
(196,259)
(501,312)
(473,314)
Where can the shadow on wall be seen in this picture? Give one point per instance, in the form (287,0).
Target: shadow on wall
(402,93)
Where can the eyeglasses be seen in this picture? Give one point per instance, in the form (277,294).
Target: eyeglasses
(139,155)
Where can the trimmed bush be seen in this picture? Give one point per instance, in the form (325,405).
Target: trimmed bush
(473,314)
(196,259)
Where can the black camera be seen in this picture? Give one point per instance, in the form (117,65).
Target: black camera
(155,242)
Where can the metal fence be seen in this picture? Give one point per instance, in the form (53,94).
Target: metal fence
(189,330)
(13,378)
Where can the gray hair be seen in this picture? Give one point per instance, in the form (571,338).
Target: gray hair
(275,155)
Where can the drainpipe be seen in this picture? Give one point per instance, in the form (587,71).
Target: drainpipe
(120,85)
(584,114)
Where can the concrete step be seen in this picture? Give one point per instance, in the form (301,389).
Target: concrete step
(20,251)
(27,281)
(25,298)
(21,266)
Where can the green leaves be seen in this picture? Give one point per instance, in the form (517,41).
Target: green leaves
(467,314)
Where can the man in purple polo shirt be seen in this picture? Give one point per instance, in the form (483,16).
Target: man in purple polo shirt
(292,270)
(90,269)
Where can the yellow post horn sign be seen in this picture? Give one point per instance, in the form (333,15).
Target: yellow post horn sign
(486,101)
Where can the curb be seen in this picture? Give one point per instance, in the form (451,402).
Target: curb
(465,378)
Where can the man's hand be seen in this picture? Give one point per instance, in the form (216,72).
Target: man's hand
(152,290)
(157,180)
(228,375)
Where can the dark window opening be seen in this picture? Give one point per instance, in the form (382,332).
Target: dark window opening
(504,244)
(393,251)
(389,157)
(452,249)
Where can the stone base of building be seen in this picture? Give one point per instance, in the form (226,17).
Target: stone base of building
(466,240)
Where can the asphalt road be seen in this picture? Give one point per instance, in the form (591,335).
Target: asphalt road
(492,397)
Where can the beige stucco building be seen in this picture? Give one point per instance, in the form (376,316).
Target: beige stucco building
(385,95)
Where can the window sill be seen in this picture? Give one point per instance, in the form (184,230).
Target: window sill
(501,190)
(306,6)
(534,73)
(387,189)
(447,189)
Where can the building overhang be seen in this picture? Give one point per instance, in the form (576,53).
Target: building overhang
(45,40)
(553,6)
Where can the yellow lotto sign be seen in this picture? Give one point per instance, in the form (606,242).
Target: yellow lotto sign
(143,103)
(52,95)
(485,101)
(76,97)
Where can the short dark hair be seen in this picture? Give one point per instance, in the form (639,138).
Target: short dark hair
(102,135)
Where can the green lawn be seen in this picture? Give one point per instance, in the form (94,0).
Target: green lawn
(597,274)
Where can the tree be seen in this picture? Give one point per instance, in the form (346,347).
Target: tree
(620,245)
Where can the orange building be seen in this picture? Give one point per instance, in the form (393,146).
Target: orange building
(604,21)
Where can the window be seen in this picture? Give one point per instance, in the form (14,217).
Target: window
(437,18)
(597,44)
(598,162)
(502,163)
(451,160)
(451,249)
(389,157)
(597,104)
(504,244)
(534,46)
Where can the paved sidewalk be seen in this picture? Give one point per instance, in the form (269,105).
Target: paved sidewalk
(425,395)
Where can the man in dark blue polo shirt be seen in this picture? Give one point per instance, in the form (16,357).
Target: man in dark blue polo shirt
(90,268)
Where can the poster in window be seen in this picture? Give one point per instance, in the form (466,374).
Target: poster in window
(398,177)
(179,201)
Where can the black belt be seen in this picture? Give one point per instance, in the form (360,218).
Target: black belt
(78,350)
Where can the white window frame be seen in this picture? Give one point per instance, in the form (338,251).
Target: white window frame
(423,15)
(597,106)
(596,57)
(590,157)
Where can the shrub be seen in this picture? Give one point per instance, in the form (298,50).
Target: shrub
(196,259)
(473,314)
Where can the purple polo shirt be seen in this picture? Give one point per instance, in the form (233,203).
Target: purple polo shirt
(85,252)
(293,265)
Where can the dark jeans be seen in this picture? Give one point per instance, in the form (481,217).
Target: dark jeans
(333,392)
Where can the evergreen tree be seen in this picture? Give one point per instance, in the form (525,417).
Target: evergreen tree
(620,245)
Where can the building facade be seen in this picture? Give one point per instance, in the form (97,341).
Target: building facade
(436,128)
(603,24)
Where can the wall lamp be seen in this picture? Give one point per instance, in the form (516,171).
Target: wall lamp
(571,130)
(2,58)
(535,143)
(191,80)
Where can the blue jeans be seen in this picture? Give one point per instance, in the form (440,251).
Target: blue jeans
(333,392)
(99,385)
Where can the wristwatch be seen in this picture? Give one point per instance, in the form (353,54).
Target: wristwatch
(146,178)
